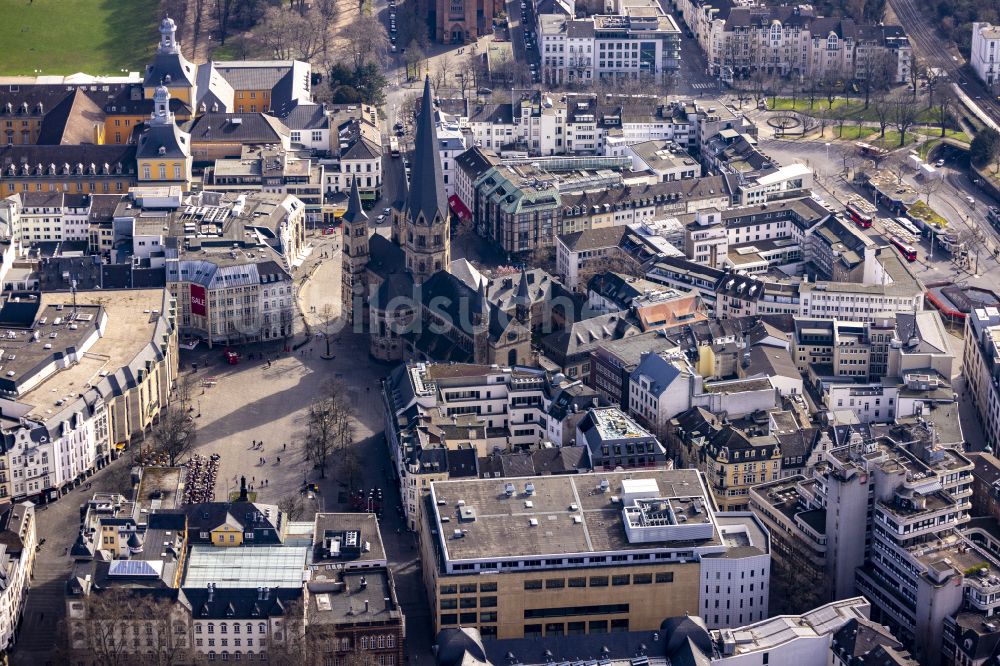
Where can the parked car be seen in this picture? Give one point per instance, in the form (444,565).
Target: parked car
(939,163)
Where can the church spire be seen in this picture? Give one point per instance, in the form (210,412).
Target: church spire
(355,213)
(427,192)
(522,301)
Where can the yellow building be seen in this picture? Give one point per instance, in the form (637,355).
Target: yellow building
(131,110)
(734,462)
(263,85)
(164,153)
(77,168)
(170,68)
(228,534)
(589,553)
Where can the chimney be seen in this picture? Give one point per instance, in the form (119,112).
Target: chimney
(364,583)
(260,594)
(366,605)
(211,590)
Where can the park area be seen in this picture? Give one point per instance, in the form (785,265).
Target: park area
(69,36)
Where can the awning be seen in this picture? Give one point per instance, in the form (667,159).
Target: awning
(459,208)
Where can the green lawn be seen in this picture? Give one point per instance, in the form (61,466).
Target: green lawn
(68,36)
(853,132)
(891,139)
(842,108)
(935,133)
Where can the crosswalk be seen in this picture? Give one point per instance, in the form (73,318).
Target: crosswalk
(704,86)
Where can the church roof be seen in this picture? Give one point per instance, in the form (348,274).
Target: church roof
(355,213)
(427,194)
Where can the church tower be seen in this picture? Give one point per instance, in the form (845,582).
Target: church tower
(481,325)
(522,301)
(425,233)
(354,278)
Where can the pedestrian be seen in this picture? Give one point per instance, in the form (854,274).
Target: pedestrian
(279,460)
(284,447)
(263,461)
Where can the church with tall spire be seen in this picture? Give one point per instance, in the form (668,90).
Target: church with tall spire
(426,239)
(413,305)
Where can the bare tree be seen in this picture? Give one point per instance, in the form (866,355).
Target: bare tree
(366,40)
(883,111)
(292,506)
(175,433)
(904,116)
(330,424)
(917,72)
(319,439)
(929,184)
(290,35)
(831,86)
(935,79)
(942,109)
(442,71)
(122,627)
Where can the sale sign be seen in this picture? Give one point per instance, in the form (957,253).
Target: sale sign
(198,300)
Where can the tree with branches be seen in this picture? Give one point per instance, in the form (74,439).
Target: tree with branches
(943,107)
(883,111)
(329,424)
(122,627)
(904,115)
(174,435)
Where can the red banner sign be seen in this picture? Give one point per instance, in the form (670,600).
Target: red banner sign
(198,300)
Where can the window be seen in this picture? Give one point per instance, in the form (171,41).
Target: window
(620,580)
(598,581)
(532,584)
(642,579)
(555,583)
(578,582)
(665,577)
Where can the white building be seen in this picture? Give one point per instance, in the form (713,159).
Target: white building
(639,42)
(17,561)
(452,142)
(53,216)
(62,419)
(981,367)
(985,56)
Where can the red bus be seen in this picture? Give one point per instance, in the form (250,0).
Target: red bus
(908,251)
(860,218)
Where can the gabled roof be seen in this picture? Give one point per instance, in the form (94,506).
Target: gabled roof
(238,127)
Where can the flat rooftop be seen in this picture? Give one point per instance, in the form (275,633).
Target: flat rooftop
(615,424)
(160,488)
(246,566)
(563,514)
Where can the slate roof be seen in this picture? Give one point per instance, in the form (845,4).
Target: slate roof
(584,335)
(167,138)
(229,603)
(174,65)
(592,239)
(253,75)
(427,196)
(303,116)
(86,154)
(384,256)
(250,128)
(355,213)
